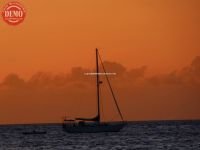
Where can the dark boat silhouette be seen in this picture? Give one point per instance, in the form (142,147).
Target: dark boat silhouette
(94,125)
(34,132)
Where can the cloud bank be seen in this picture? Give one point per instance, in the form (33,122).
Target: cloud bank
(46,97)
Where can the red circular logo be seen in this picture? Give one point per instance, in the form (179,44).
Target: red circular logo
(13,13)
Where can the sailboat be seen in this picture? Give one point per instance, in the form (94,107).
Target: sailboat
(95,125)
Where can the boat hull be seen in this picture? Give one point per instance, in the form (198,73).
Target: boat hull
(93,127)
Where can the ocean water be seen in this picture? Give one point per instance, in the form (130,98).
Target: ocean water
(157,135)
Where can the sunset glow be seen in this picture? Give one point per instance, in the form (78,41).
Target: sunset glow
(152,46)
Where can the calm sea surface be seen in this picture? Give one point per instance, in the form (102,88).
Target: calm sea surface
(161,135)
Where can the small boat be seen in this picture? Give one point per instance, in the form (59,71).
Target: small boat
(95,125)
(34,132)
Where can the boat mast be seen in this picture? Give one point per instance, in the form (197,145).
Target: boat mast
(97,84)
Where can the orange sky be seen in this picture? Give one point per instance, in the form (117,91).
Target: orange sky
(58,35)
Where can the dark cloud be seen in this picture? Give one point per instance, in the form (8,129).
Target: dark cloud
(191,74)
(170,79)
(41,79)
(114,67)
(13,80)
(137,72)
